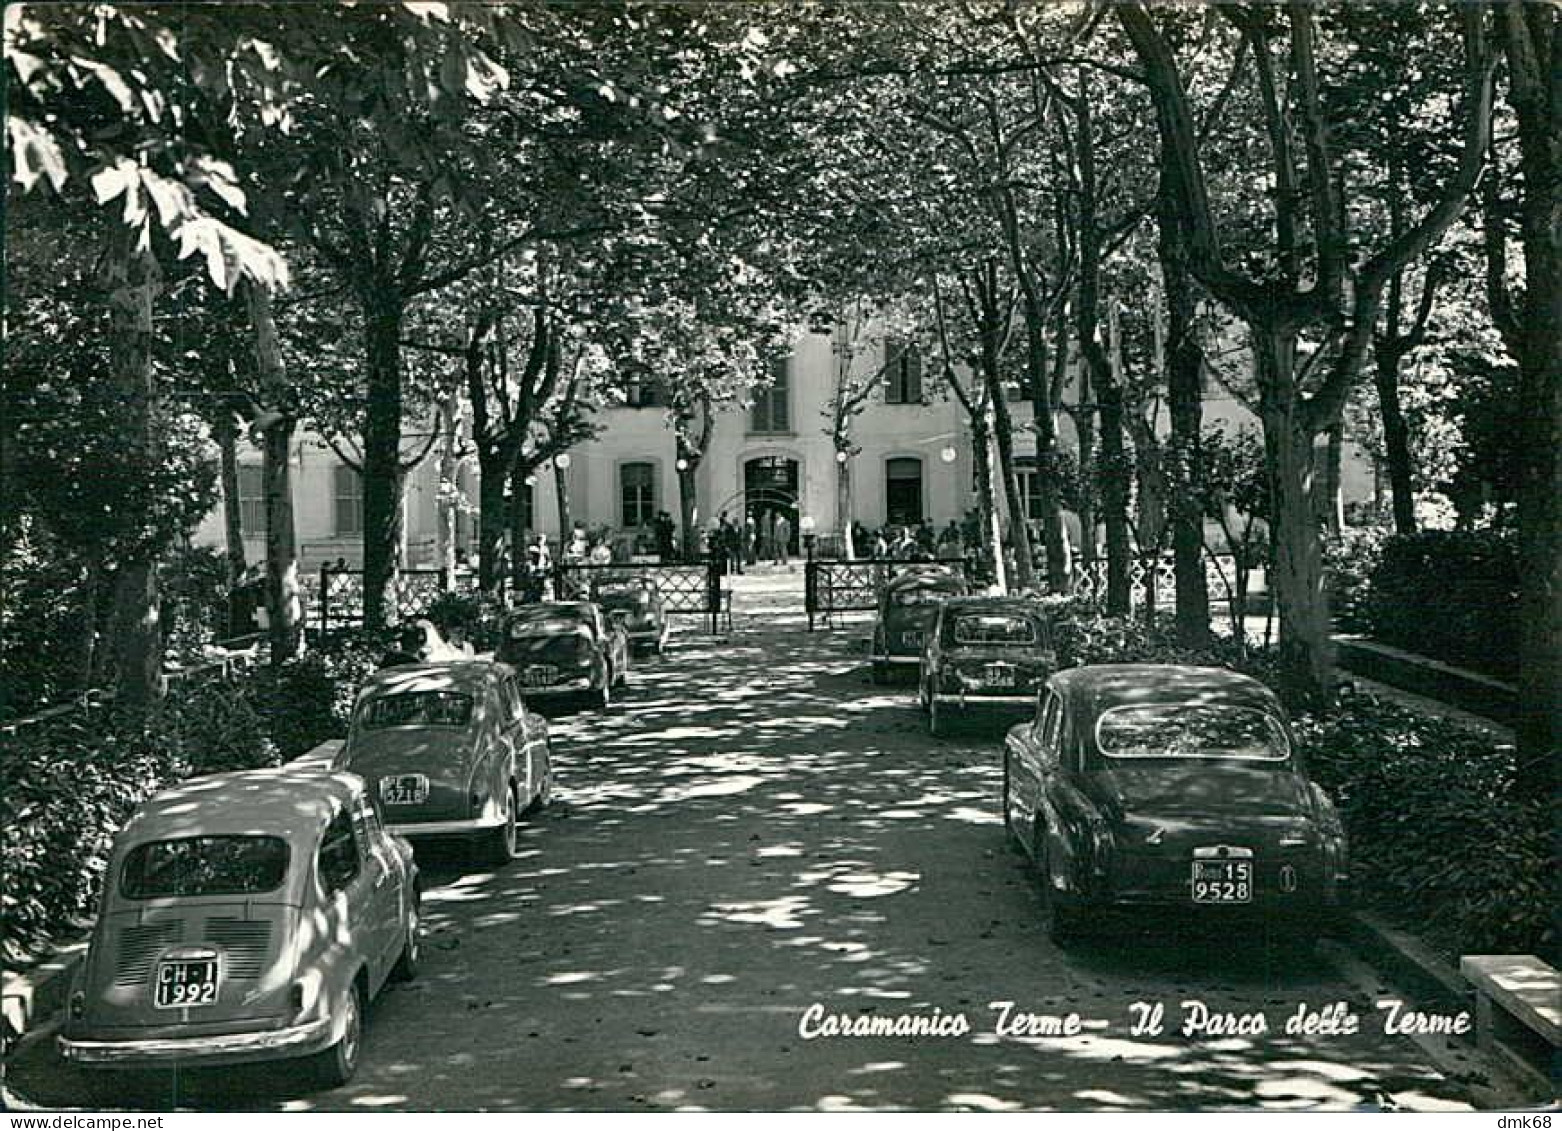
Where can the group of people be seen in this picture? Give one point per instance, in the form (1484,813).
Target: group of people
(765,537)
(910,543)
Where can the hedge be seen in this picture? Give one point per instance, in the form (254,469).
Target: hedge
(1452,595)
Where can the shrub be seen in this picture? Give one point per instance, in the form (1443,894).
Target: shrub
(68,784)
(479,613)
(1349,561)
(1449,594)
(1437,836)
(310,699)
(195,601)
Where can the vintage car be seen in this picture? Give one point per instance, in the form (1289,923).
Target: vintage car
(637,601)
(450,750)
(245,916)
(985,652)
(907,609)
(566,648)
(1160,787)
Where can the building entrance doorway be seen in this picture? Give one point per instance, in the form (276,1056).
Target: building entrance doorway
(770,485)
(903,492)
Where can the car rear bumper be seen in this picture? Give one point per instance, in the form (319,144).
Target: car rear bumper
(891,658)
(568,687)
(297,1040)
(977,698)
(459,827)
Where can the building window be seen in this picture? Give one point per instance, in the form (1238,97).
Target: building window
(642,390)
(348,501)
(772,405)
(903,492)
(252,500)
(1030,485)
(903,376)
(637,489)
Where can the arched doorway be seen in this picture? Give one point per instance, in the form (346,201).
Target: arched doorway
(770,487)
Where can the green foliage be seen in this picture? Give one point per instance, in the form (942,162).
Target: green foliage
(67,784)
(194,582)
(1438,838)
(1348,562)
(480,614)
(310,699)
(1450,595)
(44,633)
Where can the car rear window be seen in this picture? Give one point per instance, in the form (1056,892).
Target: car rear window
(417,708)
(554,625)
(205,865)
(930,595)
(993,628)
(1192,730)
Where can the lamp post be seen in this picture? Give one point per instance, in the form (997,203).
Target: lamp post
(806,525)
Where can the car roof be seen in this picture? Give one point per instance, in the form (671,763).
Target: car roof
(925,579)
(555,608)
(454,675)
(980,604)
(1104,686)
(281,801)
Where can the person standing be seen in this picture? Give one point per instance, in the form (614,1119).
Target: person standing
(663,526)
(783,538)
(750,540)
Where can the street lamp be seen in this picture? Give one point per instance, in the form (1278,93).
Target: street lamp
(806,525)
(948,453)
(561,461)
(841,456)
(682,464)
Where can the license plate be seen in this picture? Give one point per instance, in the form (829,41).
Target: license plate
(911,639)
(407,789)
(184,983)
(541,676)
(998,675)
(1222,881)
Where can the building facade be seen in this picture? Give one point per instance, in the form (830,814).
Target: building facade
(910,461)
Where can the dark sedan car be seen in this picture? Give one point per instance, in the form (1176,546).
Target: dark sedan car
(985,652)
(907,610)
(1160,787)
(566,648)
(638,602)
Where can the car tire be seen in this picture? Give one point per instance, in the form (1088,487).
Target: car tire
(544,789)
(602,698)
(876,674)
(1008,825)
(334,1067)
(502,840)
(924,695)
(933,716)
(406,968)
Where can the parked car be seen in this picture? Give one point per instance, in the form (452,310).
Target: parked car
(450,750)
(1160,787)
(907,609)
(566,648)
(638,601)
(246,916)
(985,652)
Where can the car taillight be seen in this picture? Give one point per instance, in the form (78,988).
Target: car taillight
(295,997)
(78,1006)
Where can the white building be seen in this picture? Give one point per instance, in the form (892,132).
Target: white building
(912,462)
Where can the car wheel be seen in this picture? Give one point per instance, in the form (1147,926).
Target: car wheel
(544,788)
(603,697)
(933,717)
(924,696)
(1065,923)
(876,674)
(1008,824)
(406,967)
(501,845)
(336,1065)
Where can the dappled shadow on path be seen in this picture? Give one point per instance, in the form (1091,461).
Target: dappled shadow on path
(754,829)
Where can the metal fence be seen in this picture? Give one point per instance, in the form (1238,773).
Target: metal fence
(1090,580)
(693,588)
(338,600)
(832,587)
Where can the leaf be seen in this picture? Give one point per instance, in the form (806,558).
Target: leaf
(35,154)
(231,255)
(173,200)
(117,178)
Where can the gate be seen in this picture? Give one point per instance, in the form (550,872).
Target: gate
(340,599)
(692,588)
(831,587)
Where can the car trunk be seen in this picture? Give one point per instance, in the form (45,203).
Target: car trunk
(170,941)
(905,628)
(567,655)
(416,773)
(996,668)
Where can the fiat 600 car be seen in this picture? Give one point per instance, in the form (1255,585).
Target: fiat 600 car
(1160,787)
(245,917)
(566,648)
(638,603)
(907,610)
(450,750)
(985,652)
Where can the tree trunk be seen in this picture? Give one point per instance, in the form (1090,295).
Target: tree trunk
(1185,396)
(1115,490)
(226,433)
(687,514)
(1396,442)
(1331,511)
(132,281)
(382,517)
(843,506)
(986,503)
(1306,652)
(1019,517)
(1085,429)
(284,593)
(517,517)
(561,493)
(448,502)
(491,520)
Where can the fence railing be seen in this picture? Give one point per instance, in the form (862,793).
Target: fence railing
(831,587)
